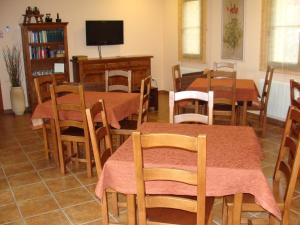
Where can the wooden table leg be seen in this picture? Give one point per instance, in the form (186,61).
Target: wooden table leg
(237,206)
(244,113)
(131,209)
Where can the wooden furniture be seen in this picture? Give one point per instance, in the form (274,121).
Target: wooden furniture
(45,46)
(227,66)
(42,89)
(128,126)
(261,104)
(115,102)
(71,132)
(295,87)
(102,146)
(227,157)
(91,72)
(224,105)
(197,145)
(246,91)
(180,96)
(176,75)
(111,85)
(286,172)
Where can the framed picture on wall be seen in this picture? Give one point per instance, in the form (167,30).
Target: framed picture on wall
(233,29)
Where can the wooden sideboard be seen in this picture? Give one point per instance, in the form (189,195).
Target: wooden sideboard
(91,72)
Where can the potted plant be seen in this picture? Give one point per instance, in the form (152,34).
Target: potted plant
(12,58)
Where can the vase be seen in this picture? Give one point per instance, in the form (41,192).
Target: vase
(17,100)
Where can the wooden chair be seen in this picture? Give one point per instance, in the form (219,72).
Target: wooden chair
(225,66)
(295,87)
(176,75)
(102,148)
(42,89)
(191,117)
(225,103)
(128,125)
(148,204)
(286,173)
(261,104)
(110,84)
(70,132)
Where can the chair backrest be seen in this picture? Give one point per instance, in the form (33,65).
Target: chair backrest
(225,66)
(110,84)
(42,87)
(183,96)
(176,75)
(224,93)
(266,88)
(295,87)
(77,107)
(99,134)
(288,162)
(144,100)
(143,142)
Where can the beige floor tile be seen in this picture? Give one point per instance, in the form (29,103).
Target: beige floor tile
(15,223)
(9,213)
(31,141)
(18,168)
(37,206)
(84,213)
(1,173)
(84,179)
(44,164)
(96,222)
(62,184)
(51,218)
(51,173)
(13,158)
(3,184)
(24,178)
(72,197)
(35,156)
(33,148)
(36,190)
(6,197)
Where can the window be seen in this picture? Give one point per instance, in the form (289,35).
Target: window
(281,35)
(192,30)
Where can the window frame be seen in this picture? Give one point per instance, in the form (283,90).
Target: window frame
(266,28)
(191,57)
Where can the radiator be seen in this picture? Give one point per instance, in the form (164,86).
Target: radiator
(279,100)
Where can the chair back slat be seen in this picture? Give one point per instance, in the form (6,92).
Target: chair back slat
(110,84)
(144,100)
(182,96)
(225,66)
(144,142)
(42,87)
(99,134)
(267,87)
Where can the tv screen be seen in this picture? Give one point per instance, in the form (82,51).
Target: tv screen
(104,32)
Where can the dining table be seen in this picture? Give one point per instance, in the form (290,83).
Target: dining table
(118,105)
(246,91)
(234,157)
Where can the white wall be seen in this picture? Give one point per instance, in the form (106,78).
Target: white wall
(143,29)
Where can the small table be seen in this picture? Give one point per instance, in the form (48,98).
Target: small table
(118,106)
(246,91)
(233,160)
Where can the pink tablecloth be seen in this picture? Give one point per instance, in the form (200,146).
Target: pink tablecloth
(233,164)
(118,106)
(245,89)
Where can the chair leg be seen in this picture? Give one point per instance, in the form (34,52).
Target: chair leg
(55,152)
(88,159)
(61,159)
(131,209)
(104,209)
(224,213)
(264,125)
(114,200)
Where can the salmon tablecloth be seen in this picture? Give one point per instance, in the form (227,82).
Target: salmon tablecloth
(246,90)
(118,106)
(233,164)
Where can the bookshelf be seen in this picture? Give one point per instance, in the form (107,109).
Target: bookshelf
(45,47)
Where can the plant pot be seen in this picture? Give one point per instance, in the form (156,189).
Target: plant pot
(17,99)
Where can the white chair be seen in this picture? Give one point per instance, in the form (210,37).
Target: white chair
(183,97)
(111,76)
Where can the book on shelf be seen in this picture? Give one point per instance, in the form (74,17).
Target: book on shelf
(45,36)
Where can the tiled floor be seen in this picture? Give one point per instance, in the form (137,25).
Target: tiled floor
(33,192)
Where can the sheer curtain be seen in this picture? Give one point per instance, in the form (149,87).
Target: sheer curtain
(281,27)
(191,29)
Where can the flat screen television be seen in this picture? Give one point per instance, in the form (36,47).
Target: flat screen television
(104,32)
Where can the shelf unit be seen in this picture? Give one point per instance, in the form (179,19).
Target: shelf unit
(44,45)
